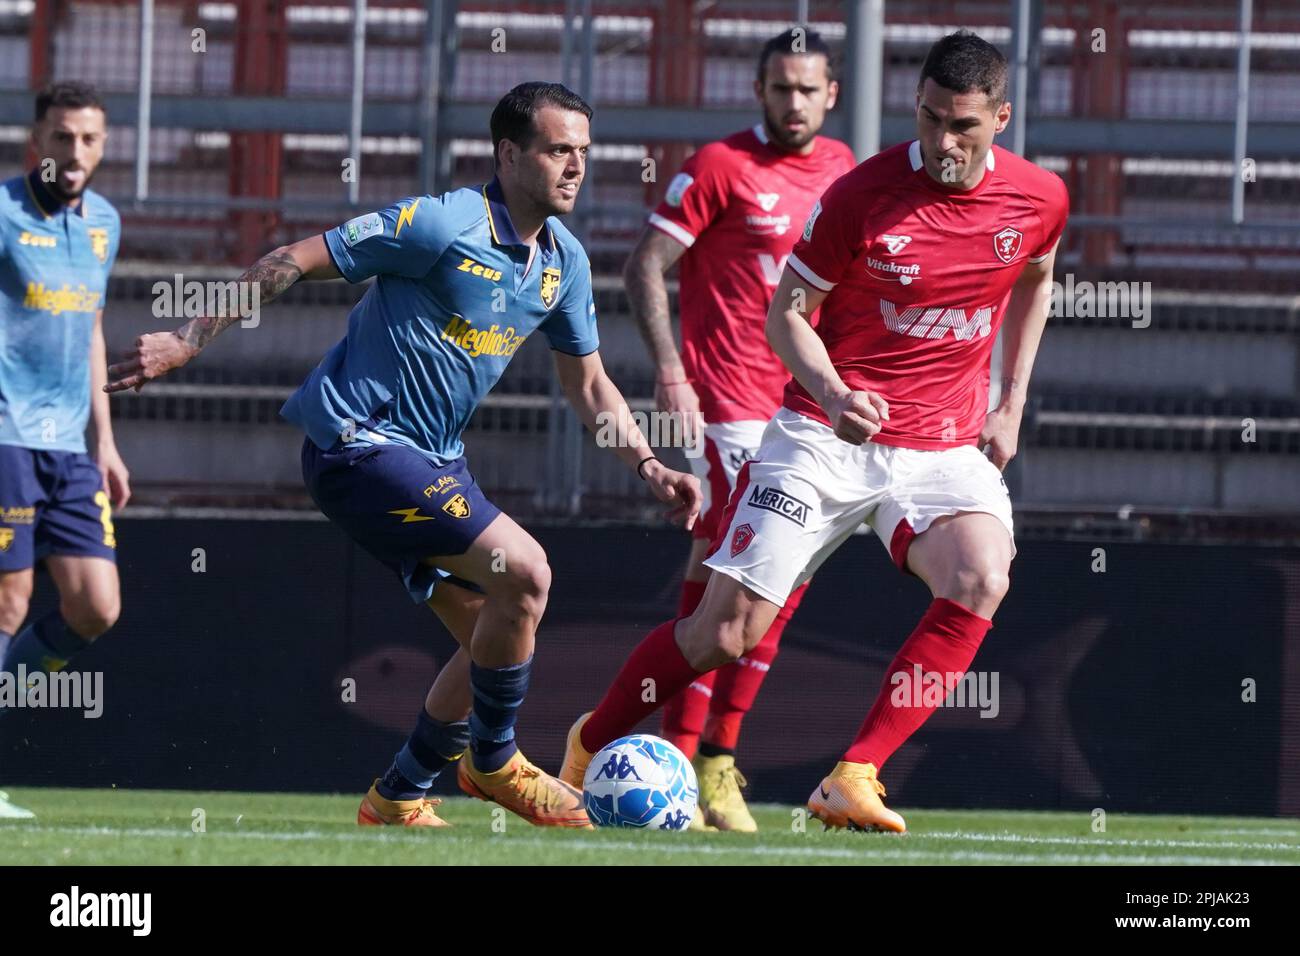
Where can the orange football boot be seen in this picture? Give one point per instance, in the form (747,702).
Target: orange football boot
(377,811)
(850,798)
(525,789)
(574,769)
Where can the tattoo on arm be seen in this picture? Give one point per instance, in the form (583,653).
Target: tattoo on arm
(649,299)
(273,273)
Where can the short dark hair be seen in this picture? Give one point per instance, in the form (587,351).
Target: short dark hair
(797,41)
(68,94)
(513,117)
(967,63)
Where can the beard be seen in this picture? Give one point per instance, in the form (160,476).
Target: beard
(777,132)
(62,194)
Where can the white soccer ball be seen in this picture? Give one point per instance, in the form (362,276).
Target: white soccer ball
(641,781)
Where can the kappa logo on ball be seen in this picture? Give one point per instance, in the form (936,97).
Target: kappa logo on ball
(1007,244)
(740,539)
(776,500)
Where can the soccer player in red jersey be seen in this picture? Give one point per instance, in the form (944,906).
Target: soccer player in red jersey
(916,259)
(731,216)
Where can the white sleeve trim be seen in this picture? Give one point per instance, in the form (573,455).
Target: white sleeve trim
(809,276)
(1041,258)
(674,230)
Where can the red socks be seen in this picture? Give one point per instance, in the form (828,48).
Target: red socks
(684,714)
(943,643)
(629,699)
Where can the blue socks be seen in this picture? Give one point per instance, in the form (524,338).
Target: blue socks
(46,644)
(431,747)
(498,692)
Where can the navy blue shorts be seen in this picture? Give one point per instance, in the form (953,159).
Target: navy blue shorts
(52,502)
(400,507)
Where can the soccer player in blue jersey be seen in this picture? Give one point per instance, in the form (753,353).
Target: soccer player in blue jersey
(461,280)
(58,240)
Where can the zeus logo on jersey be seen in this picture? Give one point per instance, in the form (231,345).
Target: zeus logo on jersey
(40,242)
(478,269)
(778,502)
(934,323)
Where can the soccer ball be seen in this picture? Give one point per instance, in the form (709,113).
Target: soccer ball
(641,781)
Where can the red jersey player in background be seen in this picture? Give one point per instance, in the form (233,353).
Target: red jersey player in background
(916,258)
(731,216)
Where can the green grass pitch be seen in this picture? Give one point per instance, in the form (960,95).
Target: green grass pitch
(157,827)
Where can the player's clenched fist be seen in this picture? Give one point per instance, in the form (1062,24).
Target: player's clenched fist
(154,355)
(857,416)
(676,488)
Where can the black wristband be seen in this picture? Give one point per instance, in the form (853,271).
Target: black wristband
(640,464)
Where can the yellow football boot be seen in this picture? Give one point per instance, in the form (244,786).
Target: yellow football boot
(721,804)
(525,789)
(850,798)
(377,811)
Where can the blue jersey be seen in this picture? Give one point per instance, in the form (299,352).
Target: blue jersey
(54,265)
(454,299)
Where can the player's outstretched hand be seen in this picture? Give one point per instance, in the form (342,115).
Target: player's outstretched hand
(154,356)
(1000,436)
(676,488)
(857,416)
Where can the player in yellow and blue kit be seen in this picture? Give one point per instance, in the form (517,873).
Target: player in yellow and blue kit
(58,240)
(461,280)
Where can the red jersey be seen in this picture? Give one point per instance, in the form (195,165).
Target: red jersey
(738,205)
(919,275)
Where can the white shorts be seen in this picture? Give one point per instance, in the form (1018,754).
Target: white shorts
(807,491)
(727,446)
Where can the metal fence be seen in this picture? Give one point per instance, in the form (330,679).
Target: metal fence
(247,124)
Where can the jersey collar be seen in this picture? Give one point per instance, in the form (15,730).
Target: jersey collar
(45,201)
(503,229)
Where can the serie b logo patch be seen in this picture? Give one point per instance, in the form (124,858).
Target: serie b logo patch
(1007,244)
(740,539)
(550,284)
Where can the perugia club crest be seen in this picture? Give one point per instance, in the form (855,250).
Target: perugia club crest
(740,539)
(550,285)
(1007,244)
